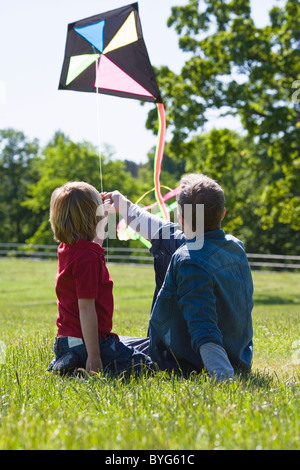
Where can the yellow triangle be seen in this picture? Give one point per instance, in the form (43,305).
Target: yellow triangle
(126,35)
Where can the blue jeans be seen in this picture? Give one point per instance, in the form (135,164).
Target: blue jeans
(116,356)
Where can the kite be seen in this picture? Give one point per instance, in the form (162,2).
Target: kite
(106,53)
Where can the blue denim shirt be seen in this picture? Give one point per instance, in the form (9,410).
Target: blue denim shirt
(206,296)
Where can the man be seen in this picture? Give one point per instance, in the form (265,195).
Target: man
(201,311)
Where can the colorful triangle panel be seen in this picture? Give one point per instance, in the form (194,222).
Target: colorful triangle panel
(78,64)
(111,77)
(127,34)
(93,34)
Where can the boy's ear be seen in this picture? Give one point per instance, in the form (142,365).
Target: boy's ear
(224,213)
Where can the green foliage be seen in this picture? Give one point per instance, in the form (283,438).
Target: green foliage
(29,175)
(241,70)
(231,159)
(232,67)
(63,160)
(18,170)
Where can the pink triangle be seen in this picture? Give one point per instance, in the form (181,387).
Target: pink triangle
(111,77)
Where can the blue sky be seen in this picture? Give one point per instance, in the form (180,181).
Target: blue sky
(32,38)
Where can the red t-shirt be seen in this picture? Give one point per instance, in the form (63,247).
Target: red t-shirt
(82,274)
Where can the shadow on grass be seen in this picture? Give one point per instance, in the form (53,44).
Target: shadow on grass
(250,381)
(269,299)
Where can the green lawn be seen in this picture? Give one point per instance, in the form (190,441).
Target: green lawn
(39,410)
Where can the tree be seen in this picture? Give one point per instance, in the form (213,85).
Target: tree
(245,71)
(18,170)
(63,160)
(228,158)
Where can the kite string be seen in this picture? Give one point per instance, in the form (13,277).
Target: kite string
(98,127)
(99,142)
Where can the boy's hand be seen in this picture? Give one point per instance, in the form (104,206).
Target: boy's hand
(94,364)
(89,327)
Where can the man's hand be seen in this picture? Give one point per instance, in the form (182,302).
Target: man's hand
(216,361)
(115,202)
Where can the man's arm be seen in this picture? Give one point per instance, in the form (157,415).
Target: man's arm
(197,302)
(141,221)
(89,327)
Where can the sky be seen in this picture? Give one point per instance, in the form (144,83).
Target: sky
(32,44)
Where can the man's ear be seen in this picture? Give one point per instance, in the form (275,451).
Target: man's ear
(224,213)
(180,218)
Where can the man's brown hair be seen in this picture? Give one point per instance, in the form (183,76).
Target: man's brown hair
(197,189)
(73,212)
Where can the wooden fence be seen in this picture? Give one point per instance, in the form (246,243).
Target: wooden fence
(141,255)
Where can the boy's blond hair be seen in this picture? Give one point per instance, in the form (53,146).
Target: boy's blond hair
(74,212)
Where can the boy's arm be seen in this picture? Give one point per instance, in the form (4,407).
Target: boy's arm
(141,221)
(89,327)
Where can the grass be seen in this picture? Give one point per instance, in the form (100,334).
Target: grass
(39,410)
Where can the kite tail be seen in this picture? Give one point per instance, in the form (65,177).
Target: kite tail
(158,159)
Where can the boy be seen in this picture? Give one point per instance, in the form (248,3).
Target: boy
(201,313)
(84,288)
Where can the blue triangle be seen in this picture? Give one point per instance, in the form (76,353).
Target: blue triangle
(93,34)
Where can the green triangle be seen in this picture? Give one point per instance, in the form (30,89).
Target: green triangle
(78,64)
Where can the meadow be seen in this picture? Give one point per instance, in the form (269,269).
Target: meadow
(42,411)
